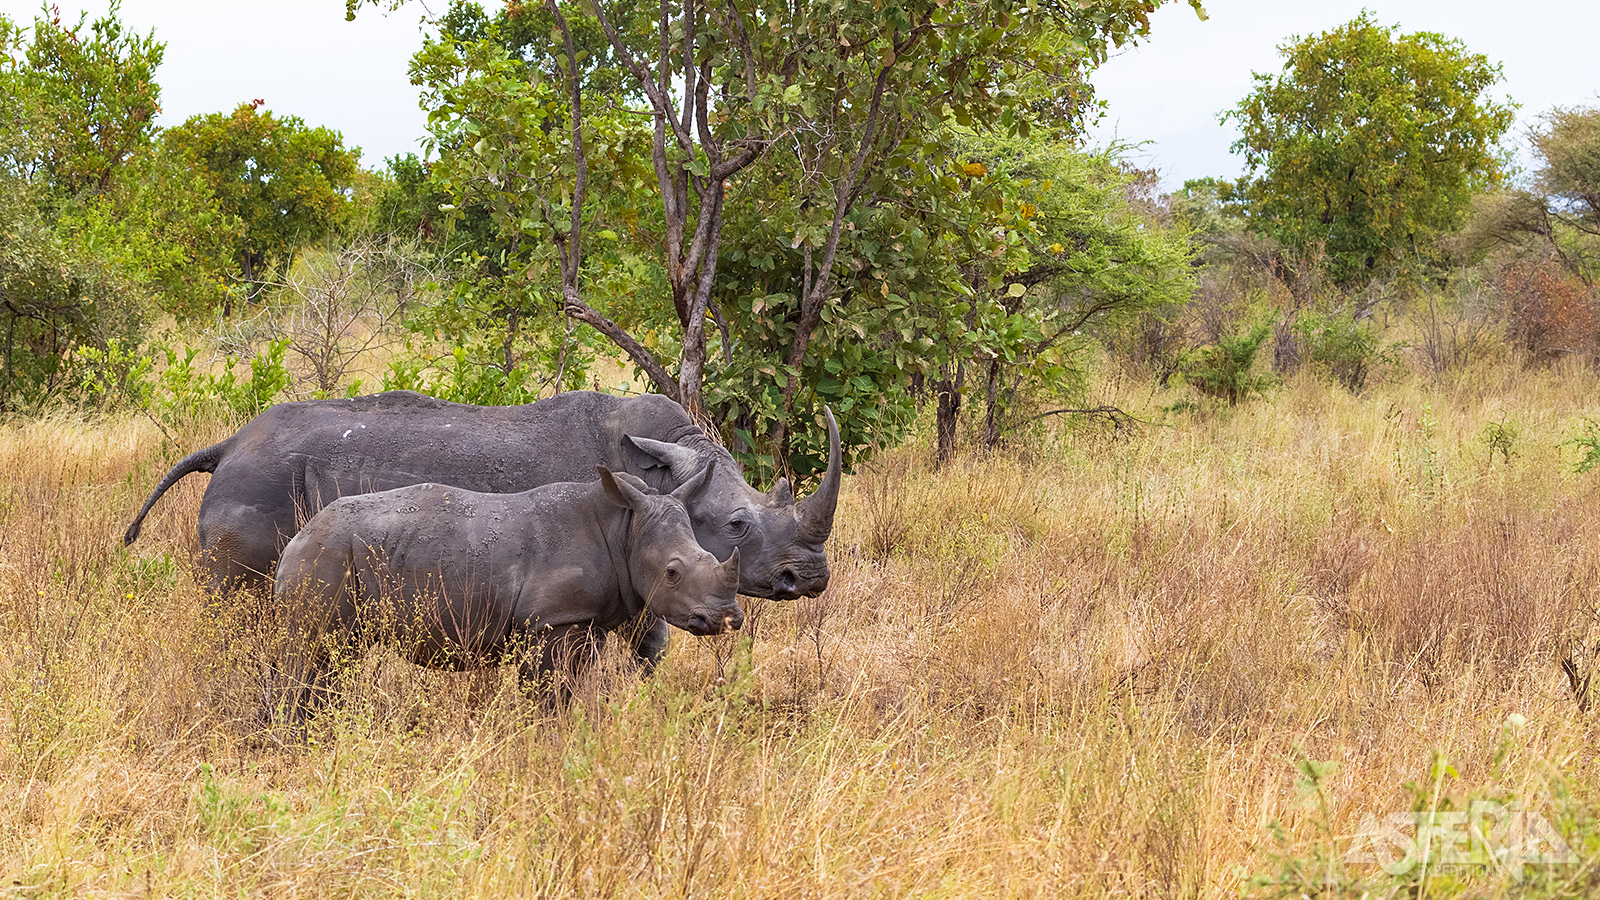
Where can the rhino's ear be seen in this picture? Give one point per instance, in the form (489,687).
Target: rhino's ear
(636,481)
(695,484)
(621,492)
(680,459)
(782,494)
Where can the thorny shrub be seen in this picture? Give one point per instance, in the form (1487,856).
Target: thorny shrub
(1549,312)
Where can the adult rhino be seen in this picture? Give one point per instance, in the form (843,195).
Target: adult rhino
(456,579)
(286,464)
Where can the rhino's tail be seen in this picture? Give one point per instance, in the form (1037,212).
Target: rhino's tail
(204,460)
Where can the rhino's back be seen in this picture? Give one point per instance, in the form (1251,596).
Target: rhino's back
(447,528)
(295,458)
(313,452)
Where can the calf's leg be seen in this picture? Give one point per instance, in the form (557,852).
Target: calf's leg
(648,637)
(554,659)
(316,624)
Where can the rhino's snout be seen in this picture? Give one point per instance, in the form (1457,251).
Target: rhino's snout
(792,583)
(715,622)
(786,586)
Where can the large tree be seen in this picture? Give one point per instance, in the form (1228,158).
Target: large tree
(824,112)
(284,182)
(80,99)
(1368,145)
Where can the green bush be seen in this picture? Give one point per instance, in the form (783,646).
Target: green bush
(459,379)
(59,296)
(1226,369)
(1589,443)
(122,378)
(1500,437)
(1340,347)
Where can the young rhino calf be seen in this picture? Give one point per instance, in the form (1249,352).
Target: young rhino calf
(458,579)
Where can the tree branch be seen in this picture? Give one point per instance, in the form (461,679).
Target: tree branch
(1116,416)
(571,250)
(636,351)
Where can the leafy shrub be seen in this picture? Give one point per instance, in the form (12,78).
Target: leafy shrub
(508,344)
(1226,369)
(1342,348)
(1589,443)
(122,378)
(59,296)
(1500,437)
(459,379)
(117,375)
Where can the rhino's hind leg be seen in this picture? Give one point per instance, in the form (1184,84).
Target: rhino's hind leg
(237,550)
(302,679)
(313,629)
(299,685)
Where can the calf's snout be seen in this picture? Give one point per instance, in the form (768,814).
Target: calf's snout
(715,621)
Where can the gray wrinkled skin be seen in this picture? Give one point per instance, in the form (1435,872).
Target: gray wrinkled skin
(458,579)
(295,458)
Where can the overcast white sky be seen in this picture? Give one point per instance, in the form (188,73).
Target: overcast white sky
(305,60)
(300,56)
(1169,90)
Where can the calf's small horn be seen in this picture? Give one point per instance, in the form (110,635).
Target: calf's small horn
(730,569)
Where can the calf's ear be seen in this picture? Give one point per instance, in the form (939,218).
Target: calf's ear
(636,481)
(619,491)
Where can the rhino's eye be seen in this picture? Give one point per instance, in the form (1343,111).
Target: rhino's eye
(672,574)
(737,527)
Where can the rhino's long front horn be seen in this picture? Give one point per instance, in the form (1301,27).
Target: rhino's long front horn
(816,511)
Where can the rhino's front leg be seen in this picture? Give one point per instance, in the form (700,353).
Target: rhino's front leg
(297,685)
(648,637)
(558,656)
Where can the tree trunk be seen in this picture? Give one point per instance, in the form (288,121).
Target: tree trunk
(570,245)
(947,415)
(1285,344)
(691,258)
(692,360)
(991,406)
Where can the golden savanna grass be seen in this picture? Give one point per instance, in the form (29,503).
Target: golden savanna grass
(1097,666)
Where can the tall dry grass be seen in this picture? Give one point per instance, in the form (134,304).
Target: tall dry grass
(1099,672)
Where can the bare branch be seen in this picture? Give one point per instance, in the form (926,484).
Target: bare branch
(690,71)
(1115,416)
(636,351)
(660,99)
(742,37)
